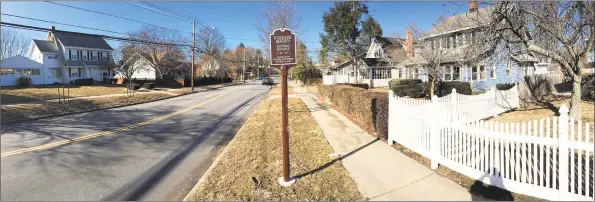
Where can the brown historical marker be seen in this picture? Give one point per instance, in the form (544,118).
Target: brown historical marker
(283,44)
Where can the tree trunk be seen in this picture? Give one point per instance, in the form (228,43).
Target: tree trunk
(575,100)
(432,84)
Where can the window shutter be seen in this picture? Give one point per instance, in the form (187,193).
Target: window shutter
(69,72)
(69,54)
(100,55)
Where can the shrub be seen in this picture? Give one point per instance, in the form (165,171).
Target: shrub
(149,85)
(24,82)
(396,82)
(367,109)
(84,82)
(445,88)
(416,90)
(588,88)
(505,86)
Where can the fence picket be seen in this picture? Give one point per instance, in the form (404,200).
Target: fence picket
(501,146)
(541,153)
(588,166)
(517,157)
(579,172)
(572,168)
(476,151)
(548,158)
(534,148)
(555,155)
(491,150)
(507,152)
(523,153)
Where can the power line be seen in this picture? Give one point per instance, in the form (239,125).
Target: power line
(92,11)
(28,18)
(156,11)
(170,11)
(123,39)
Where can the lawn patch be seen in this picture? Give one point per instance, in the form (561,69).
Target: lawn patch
(19,95)
(252,164)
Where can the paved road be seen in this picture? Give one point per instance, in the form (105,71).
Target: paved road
(152,151)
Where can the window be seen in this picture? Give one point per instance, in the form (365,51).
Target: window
(447,73)
(55,73)
(412,73)
(482,72)
(459,41)
(433,44)
(449,42)
(31,72)
(7,72)
(94,55)
(474,36)
(527,68)
(73,54)
(74,72)
(85,55)
(456,73)
(474,74)
(383,73)
(493,72)
(52,56)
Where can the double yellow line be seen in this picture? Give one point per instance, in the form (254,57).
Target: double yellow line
(86,137)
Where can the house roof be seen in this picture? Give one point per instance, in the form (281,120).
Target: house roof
(393,48)
(461,21)
(341,65)
(524,57)
(46,46)
(82,41)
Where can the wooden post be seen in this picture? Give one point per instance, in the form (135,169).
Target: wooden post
(193,46)
(287,181)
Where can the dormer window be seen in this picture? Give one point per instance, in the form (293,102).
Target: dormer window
(104,56)
(94,55)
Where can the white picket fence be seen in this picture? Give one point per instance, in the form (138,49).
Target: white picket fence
(534,158)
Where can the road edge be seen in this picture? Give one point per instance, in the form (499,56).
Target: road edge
(104,108)
(220,156)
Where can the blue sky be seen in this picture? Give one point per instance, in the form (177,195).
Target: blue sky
(233,19)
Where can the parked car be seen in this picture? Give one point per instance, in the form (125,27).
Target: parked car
(267,81)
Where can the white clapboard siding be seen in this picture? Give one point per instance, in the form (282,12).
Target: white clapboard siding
(551,158)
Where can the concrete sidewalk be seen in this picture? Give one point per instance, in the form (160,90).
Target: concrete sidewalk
(381,172)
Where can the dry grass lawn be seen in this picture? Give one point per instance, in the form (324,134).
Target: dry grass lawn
(312,89)
(17,95)
(250,168)
(277,90)
(24,111)
(382,90)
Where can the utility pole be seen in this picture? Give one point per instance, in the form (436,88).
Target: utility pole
(244,69)
(193,44)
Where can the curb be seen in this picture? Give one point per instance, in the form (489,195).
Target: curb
(206,174)
(103,108)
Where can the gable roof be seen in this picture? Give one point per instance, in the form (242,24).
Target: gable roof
(76,40)
(19,61)
(461,21)
(46,46)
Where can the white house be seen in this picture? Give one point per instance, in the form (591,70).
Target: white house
(17,66)
(143,69)
(64,57)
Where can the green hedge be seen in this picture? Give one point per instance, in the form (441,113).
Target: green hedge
(367,109)
(445,88)
(414,88)
(84,82)
(505,86)
(396,82)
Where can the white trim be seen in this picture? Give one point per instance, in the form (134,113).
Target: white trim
(86,48)
(448,32)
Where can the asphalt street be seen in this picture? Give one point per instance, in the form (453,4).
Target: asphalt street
(151,151)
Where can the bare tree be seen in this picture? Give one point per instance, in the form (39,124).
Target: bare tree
(164,57)
(279,14)
(211,43)
(563,31)
(128,67)
(13,43)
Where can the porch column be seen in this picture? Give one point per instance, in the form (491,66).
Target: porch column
(370,83)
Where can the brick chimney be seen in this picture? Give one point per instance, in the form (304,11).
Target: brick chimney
(409,43)
(472,6)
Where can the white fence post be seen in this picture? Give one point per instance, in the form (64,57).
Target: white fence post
(391,117)
(453,101)
(563,152)
(434,136)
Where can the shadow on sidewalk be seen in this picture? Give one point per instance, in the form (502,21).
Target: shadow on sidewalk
(484,192)
(335,160)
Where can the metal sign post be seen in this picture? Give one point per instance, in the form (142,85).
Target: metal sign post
(283,50)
